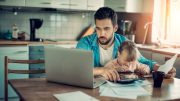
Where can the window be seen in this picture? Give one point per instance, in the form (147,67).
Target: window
(166,21)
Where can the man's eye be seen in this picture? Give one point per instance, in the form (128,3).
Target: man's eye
(107,28)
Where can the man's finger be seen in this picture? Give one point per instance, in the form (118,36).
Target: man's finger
(114,75)
(117,75)
(109,76)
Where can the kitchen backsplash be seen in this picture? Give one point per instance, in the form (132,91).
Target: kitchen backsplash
(65,25)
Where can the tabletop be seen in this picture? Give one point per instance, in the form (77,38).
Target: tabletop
(39,89)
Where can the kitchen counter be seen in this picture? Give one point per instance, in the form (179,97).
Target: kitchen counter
(9,42)
(162,50)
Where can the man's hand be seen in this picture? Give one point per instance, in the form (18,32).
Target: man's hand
(170,74)
(108,73)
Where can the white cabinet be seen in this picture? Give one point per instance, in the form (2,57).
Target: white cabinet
(148,6)
(117,5)
(78,4)
(62,4)
(66,4)
(177,66)
(143,6)
(48,3)
(39,3)
(125,5)
(14,52)
(95,4)
(12,2)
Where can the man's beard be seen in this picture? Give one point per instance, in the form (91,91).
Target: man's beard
(104,40)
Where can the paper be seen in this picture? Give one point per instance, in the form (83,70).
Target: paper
(168,65)
(74,96)
(126,91)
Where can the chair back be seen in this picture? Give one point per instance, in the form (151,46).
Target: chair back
(7,71)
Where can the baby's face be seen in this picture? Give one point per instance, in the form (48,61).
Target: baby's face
(122,58)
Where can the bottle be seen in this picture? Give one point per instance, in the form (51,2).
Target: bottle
(15,31)
(8,35)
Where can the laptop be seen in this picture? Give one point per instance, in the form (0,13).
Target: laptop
(71,67)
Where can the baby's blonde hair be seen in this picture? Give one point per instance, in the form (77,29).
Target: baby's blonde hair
(130,47)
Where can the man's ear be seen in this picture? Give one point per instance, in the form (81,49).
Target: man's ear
(115,28)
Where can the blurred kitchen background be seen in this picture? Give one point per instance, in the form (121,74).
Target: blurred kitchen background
(69,24)
(24,24)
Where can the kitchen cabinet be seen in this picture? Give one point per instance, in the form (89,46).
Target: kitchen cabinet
(66,4)
(94,4)
(78,4)
(59,4)
(14,52)
(48,3)
(177,66)
(36,52)
(136,6)
(159,58)
(12,2)
(148,6)
(147,54)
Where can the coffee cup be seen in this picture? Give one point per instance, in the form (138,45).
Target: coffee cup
(158,78)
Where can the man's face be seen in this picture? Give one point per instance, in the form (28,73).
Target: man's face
(105,30)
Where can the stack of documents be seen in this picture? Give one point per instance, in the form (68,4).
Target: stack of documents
(74,96)
(125,91)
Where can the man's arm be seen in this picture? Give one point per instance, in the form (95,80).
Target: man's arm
(108,73)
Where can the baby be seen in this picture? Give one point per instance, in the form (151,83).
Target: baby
(127,60)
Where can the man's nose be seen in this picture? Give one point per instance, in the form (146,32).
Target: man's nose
(102,33)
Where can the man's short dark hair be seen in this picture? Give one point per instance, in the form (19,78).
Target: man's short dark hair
(106,12)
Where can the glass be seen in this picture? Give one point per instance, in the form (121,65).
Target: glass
(158,78)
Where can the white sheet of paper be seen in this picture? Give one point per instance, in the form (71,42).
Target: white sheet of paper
(75,96)
(126,91)
(168,65)
(107,91)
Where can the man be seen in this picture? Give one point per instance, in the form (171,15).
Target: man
(105,42)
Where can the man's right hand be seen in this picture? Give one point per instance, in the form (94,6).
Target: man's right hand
(108,73)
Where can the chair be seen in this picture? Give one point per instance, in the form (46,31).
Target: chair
(7,71)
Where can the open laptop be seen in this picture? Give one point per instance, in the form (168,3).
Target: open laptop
(70,66)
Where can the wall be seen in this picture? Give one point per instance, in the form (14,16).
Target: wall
(56,25)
